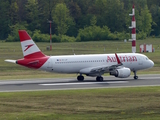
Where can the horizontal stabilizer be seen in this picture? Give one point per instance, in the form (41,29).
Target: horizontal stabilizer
(11,61)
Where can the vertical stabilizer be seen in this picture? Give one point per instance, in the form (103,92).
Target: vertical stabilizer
(29,48)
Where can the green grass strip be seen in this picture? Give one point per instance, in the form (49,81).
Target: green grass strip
(139,103)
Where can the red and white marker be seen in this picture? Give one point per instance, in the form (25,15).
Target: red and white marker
(133,27)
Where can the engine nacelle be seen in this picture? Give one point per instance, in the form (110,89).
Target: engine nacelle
(121,73)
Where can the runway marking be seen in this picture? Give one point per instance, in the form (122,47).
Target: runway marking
(152,77)
(83,83)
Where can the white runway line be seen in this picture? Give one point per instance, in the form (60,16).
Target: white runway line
(83,83)
(152,78)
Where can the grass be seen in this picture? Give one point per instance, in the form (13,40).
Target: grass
(12,50)
(141,103)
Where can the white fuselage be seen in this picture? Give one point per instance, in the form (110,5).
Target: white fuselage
(118,65)
(75,63)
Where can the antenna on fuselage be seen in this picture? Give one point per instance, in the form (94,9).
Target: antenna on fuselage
(73,51)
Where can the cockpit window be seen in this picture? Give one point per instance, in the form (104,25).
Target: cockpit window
(146,58)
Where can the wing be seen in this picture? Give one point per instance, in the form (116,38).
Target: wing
(99,70)
(94,70)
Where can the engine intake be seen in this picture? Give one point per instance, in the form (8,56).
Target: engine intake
(121,73)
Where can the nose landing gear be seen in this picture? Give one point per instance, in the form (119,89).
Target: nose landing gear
(135,76)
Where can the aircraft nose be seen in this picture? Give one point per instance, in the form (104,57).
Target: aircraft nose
(151,63)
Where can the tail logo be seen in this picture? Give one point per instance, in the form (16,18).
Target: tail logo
(28,46)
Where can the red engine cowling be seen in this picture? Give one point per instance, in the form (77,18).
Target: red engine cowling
(121,73)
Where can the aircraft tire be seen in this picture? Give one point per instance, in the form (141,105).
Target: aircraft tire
(135,77)
(99,78)
(80,78)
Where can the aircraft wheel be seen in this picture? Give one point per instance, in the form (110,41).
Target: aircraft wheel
(99,78)
(80,78)
(135,77)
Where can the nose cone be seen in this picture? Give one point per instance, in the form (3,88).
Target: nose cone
(151,63)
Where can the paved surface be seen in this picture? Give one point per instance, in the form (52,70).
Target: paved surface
(72,83)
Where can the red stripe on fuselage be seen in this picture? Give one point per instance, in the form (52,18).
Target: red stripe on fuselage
(35,63)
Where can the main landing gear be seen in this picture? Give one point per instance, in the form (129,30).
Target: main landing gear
(135,76)
(80,78)
(99,78)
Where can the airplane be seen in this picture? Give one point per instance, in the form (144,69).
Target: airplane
(95,65)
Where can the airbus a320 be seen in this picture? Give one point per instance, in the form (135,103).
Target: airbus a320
(95,65)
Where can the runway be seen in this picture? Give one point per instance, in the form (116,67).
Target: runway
(72,83)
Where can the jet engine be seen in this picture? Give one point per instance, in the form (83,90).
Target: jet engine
(121,73)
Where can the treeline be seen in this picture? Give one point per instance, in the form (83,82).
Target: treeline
(78,20)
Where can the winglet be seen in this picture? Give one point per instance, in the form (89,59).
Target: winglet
(118,61)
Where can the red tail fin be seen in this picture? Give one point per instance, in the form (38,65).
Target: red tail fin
(23,35)
(29,48)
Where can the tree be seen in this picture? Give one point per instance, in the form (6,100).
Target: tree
(150,3)
(155,11)
(13,36)
(85,5)
(69,16)
(45,9)
(93,20)
(32,14)
(14,12)
(111,13)
(75,10)
(61,17)
(4,20)
(22,10)
(75,13)
(146,20)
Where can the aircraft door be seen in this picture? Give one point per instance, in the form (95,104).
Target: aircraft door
(50,64)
